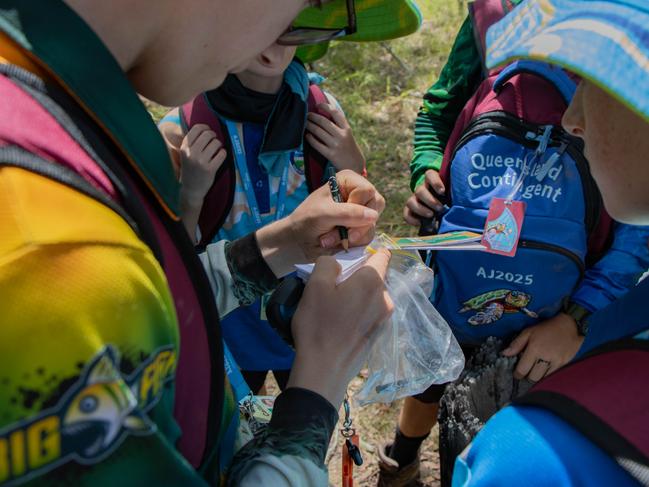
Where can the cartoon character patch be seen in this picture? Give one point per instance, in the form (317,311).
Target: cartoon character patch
(90,420)
(491,306)
(503,226)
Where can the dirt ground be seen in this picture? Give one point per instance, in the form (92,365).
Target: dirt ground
(375,424)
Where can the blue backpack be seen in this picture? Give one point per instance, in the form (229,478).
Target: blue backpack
(513,122)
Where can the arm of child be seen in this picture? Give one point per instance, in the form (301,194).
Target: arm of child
(334,139)
(556,340)
(424,201)
(201,156)
(617,271)
(545,347)
(441,107)
(197,156)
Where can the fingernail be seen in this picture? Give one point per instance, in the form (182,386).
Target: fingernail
(354,235)
(327,242)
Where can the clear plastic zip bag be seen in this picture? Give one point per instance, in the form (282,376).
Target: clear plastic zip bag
(416,347)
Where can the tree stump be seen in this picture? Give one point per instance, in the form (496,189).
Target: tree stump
(484,387)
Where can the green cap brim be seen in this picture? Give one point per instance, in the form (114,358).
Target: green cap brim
(309,54)
(377,20)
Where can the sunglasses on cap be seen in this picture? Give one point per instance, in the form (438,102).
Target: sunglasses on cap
(300,36)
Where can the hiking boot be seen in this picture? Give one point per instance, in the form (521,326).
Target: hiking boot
(391,475)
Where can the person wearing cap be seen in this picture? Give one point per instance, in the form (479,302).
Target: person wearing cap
(545,343)
(111,357)
(266,108)
(585,424)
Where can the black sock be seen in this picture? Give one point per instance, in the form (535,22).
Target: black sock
(405,449)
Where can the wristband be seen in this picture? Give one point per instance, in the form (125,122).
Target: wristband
(579,314)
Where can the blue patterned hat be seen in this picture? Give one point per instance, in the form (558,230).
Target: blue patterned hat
(604,41)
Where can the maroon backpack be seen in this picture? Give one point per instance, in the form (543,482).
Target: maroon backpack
(219,199)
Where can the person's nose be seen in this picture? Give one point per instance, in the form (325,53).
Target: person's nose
(573,118)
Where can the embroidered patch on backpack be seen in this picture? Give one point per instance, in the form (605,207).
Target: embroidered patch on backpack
(491,306)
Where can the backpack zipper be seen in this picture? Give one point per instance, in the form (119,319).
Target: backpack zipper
(502,123)
(536,245)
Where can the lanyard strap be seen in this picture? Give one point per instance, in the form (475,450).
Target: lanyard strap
(242,166)
(238,383)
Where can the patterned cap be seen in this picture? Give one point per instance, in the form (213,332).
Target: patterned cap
(604,41)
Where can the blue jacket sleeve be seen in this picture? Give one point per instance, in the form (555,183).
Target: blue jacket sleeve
(618,271)
(530,446)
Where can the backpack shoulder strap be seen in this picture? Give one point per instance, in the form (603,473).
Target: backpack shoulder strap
(220,197)
(314,162)
(554,75)
(14,156)
(581,393)
(484,14)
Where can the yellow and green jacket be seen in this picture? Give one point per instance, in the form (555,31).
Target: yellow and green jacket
(111,364)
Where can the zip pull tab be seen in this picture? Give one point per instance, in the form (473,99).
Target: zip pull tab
(543,171)
(351,453)
(544,140)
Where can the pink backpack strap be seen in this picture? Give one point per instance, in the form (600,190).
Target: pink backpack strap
(314,162)
(581,394)
(220,197)
(26,124)
(199,111)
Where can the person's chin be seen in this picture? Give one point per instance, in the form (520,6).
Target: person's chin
(179,95)
(631,213)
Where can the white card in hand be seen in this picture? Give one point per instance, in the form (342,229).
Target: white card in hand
(349,262)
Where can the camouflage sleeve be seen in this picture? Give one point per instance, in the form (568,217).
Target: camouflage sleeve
(292,450)
(237,272)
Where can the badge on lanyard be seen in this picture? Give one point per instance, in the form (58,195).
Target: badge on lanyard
(502,229)
(264,302)
(297,159)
